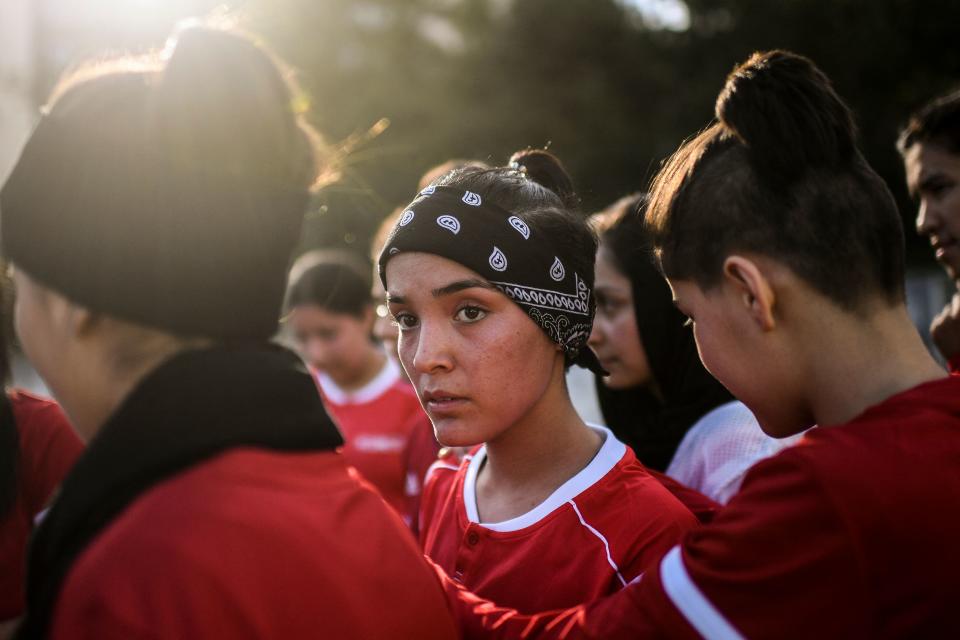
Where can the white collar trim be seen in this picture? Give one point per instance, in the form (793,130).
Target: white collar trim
(611,452)
(381,382)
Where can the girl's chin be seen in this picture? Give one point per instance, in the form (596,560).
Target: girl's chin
(456,435)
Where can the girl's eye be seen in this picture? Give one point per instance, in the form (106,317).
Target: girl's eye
(470,314)
(405,320)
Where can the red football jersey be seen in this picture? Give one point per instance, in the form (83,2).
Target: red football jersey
(591,537)
(852,533)
(254,544)
(388,437)
(48,448)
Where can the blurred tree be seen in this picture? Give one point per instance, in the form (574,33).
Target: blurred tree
(610,93)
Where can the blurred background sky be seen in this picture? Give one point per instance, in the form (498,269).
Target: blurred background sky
(612,86)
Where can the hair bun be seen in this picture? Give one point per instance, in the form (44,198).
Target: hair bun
(786,112)
(545,169)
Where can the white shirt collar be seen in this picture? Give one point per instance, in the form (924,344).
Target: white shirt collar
(387,376)
(611,452)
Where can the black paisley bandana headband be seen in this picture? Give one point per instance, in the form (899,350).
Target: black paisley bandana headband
(458,225)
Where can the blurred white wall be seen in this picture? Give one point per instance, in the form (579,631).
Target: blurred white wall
(17,111)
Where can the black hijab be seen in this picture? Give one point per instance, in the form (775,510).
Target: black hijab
(654,426)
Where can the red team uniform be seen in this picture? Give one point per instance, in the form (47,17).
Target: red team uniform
(48,448)
(590,538)
(851,533)
(244,546)
(388,437)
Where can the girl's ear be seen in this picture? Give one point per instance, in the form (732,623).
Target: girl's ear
(81,321)
(753,289)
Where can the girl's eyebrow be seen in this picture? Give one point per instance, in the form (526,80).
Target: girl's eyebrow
(453,287)
(461,285)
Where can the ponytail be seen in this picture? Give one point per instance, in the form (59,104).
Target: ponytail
(780,174)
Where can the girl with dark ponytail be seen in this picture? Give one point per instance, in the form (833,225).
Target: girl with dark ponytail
(150,221)
(784,248)
(489,275)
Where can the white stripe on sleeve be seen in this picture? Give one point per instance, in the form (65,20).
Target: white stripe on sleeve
(691,602)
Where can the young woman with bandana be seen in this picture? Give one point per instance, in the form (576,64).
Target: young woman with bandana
(646,345)
(785,249)
(150,221)
(489,274)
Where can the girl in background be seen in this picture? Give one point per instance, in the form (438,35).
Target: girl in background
(636,325)
(657,388)
(388,437)
(930,146)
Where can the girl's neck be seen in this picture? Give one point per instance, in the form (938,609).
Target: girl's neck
(531,459)
(869,363)
(371,367)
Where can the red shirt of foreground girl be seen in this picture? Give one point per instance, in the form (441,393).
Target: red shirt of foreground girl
(547,498)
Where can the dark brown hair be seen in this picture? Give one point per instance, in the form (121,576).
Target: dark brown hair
(779,174)
(337,281)
(937,122)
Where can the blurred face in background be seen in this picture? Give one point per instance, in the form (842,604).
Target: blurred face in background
(933,177)
(384,328)
(616,337)
(337,344)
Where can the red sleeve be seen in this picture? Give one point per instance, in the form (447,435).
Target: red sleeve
(48,447)
(953,364)
(770,565)
(704,508)
(421,452)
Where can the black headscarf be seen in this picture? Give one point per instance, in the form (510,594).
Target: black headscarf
(193,407)
(653,426)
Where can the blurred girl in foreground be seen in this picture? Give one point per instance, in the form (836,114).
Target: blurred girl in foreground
(150,221)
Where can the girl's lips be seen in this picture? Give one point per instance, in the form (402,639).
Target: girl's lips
(442,405)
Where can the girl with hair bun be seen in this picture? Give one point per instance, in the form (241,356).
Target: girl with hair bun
(150,220)
(489,275)
(785,250)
